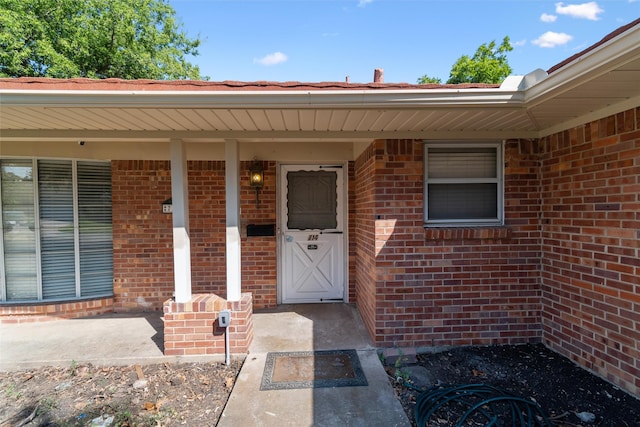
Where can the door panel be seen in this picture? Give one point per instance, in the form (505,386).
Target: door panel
(312,265)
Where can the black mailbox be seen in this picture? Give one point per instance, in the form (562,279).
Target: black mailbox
(261,230)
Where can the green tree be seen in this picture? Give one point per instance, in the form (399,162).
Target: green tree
(426,80)
(129,39)
(488,65)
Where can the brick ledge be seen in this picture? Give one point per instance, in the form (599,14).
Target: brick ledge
(45,311)
(467,233)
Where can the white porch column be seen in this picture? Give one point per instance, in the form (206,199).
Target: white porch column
(232,187)
(181,240)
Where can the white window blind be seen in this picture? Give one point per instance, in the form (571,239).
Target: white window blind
(463,184)
(20,279)
(462,163)
(94,216)
(57,243)
(68,252)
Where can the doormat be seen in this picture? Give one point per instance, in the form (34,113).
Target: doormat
(312,369)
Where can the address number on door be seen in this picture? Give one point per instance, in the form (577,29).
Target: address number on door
(312,237)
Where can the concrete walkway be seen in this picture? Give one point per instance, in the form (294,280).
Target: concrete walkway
(126,339)
(307,328)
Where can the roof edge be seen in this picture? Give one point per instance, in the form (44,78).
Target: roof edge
(615,33)
(613,51)
(144,85)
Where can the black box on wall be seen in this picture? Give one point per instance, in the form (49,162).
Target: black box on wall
(261,230)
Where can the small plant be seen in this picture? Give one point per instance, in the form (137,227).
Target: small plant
(47,404)
(73,368)
(11,391)
(382,358)
(123,418)
(401,374)
(162,415)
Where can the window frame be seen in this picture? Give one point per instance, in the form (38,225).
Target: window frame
(498,180)
(74,163)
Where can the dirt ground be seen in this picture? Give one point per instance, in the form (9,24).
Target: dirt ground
(195,394)
(565,392)
(191,394)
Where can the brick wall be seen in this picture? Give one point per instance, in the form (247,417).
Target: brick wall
(352,234)
(590,240)
(259,253)
(20,313)
(207,229)
(445,287)
(364,238)
(143,236)
(192,328)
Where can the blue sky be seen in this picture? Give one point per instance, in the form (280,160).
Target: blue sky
(328,40)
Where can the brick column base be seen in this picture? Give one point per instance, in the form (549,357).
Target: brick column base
(191,328)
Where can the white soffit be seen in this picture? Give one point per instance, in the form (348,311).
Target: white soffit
(599,83)
(323,114)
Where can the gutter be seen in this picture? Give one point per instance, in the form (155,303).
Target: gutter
(341,99)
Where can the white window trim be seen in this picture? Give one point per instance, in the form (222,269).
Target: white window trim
(499,146)
(36,226)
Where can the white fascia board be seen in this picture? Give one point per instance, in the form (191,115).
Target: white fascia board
(263,99)
(603,59)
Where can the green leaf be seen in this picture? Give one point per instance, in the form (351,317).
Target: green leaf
(129,39)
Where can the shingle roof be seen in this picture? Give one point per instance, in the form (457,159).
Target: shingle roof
(40,83)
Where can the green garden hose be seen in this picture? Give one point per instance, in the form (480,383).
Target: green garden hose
(475,404)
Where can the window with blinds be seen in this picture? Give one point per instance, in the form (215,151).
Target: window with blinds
(56,230)
(463,184)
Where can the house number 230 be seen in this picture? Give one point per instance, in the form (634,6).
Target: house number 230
(312,237)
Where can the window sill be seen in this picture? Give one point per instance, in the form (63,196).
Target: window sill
(468,233)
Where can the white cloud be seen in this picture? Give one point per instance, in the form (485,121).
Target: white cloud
(363,3)
(548,18)
(271,59)
(588,11)
(551,39)
(519,43)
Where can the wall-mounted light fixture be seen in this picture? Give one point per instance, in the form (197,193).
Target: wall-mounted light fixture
(256,177)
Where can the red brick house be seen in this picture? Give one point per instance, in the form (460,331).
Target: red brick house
(449,214)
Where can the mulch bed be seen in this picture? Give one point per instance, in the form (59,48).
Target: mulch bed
(195,394)
(563,390)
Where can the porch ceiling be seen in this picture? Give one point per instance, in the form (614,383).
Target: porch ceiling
(213,123)
(603,81)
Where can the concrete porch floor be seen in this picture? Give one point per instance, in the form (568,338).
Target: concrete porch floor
(124,339)
(110,339)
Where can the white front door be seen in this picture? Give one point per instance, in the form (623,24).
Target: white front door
(312,242)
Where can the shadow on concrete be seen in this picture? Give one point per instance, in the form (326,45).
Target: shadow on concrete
(312,327)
